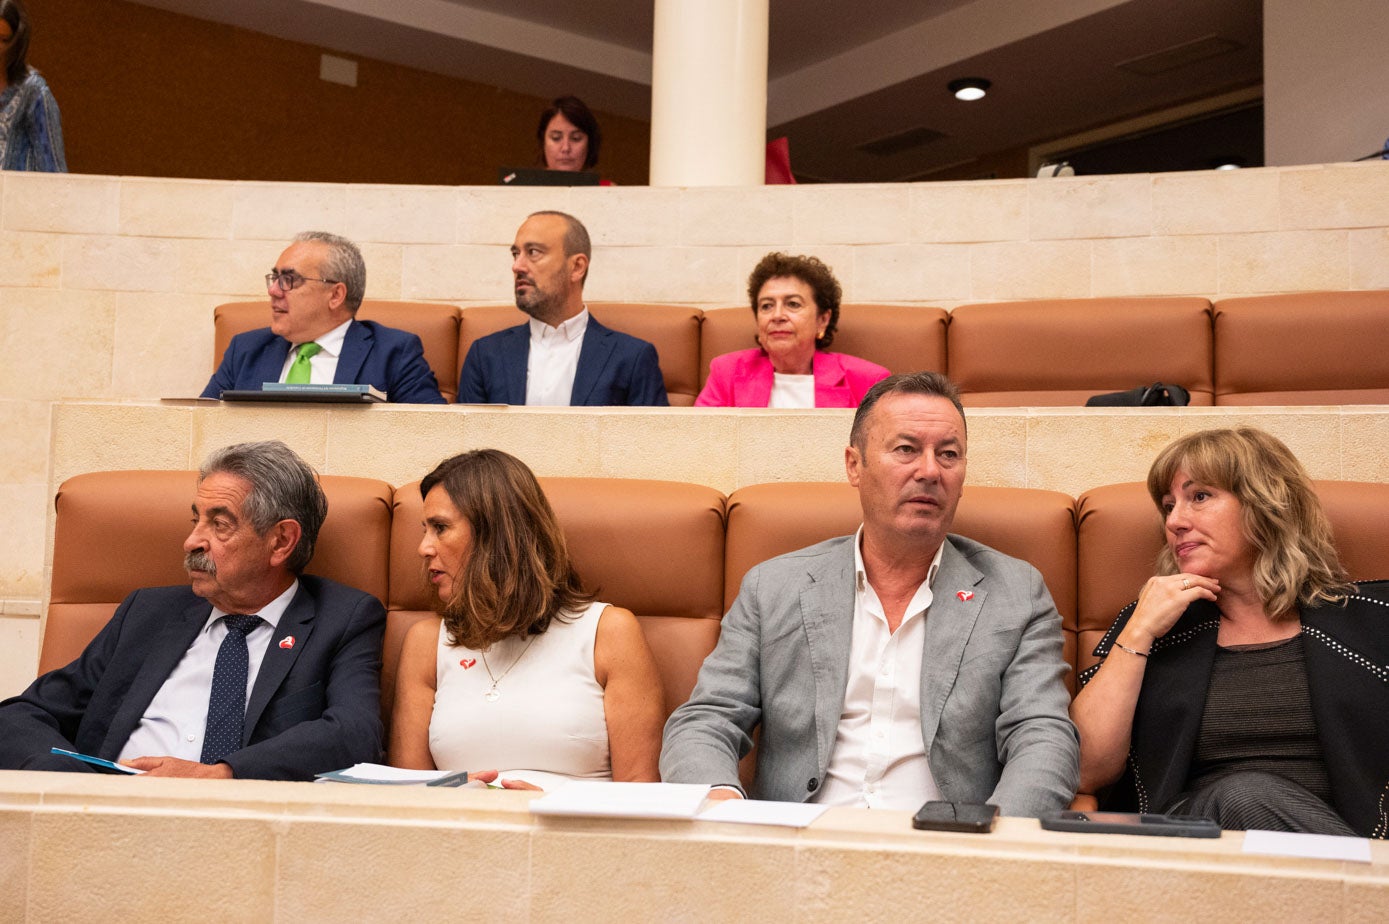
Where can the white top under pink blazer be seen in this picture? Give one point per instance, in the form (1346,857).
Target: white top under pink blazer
(744,379)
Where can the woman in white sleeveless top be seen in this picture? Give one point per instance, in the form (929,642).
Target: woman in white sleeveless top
(523,672)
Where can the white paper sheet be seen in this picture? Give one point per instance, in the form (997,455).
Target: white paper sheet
(755,812)
(623,800)
(380,773)
(1313,846)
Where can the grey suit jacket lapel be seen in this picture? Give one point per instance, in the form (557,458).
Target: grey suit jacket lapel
(296,623)
(827,612)
(165,651)
(956,600)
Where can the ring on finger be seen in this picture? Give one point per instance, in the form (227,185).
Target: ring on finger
(1186,583)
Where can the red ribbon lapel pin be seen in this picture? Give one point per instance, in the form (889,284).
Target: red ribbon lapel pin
(965,595)
(467,663)
(287,642)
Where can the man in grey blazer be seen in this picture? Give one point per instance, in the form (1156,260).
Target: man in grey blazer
(895,666)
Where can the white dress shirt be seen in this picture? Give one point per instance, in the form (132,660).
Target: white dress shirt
(176,720)
(323,365)
(879,757)
(792,390)
(553,360)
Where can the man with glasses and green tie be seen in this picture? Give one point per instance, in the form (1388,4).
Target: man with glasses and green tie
(314,337)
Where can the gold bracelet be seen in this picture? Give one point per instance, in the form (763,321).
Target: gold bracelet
(1132,651)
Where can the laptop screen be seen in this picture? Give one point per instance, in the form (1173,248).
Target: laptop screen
(536,176)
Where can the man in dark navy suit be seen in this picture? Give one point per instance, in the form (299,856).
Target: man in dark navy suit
(314,337)
(255,670)
(562,356)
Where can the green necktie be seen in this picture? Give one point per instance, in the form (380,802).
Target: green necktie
(299,370)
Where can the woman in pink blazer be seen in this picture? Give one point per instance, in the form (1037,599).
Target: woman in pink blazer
(795,304)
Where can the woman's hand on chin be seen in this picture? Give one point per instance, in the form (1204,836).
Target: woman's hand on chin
(1161,603)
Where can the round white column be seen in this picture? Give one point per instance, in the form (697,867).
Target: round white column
(709,93)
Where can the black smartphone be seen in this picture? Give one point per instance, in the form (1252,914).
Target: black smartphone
(975,817)
(1130,823)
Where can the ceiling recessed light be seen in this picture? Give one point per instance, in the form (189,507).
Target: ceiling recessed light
(969,88)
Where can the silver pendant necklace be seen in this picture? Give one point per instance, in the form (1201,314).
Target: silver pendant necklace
(493,694)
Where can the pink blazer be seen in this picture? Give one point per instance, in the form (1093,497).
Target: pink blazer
(744,379)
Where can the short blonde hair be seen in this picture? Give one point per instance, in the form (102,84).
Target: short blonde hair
(1295,559)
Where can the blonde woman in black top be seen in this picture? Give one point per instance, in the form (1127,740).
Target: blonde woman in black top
(1249,683)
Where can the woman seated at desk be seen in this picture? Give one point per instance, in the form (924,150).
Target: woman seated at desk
(795,307)
(569,137)
(1248,683)
(523,672)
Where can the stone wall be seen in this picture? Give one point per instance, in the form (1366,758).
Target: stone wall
(107,286)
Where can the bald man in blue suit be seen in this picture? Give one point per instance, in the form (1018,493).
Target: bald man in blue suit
(561,356)
(315,291)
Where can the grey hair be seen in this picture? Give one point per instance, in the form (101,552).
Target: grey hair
(931,384)
(343,264)
(283,487)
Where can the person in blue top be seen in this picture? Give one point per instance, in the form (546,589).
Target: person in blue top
(31,135)
(314,336)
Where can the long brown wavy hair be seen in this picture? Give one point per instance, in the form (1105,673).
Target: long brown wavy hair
(518,576)
(1295,560)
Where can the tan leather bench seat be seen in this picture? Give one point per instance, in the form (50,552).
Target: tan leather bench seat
(1119,534)
(672,553)
(1060,352)
(119,531)
(1037,526)
(653,547)
(1304,348)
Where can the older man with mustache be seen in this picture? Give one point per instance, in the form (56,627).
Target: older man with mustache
(255,670)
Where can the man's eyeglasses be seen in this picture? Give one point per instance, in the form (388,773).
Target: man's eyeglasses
(289,280)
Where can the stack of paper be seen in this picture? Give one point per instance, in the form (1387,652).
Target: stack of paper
(623,800)
(395,776)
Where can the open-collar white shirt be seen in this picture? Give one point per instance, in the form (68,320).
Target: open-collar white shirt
(553,360)
(879,757)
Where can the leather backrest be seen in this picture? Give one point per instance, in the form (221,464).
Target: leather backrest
(1120,533)
(672,329)
(435,325)
(116,532)
(1304,348)
(767,520)
(900,337)
(1060,352)
(653,547)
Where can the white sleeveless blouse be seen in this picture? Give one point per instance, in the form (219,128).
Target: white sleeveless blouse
(546,725)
